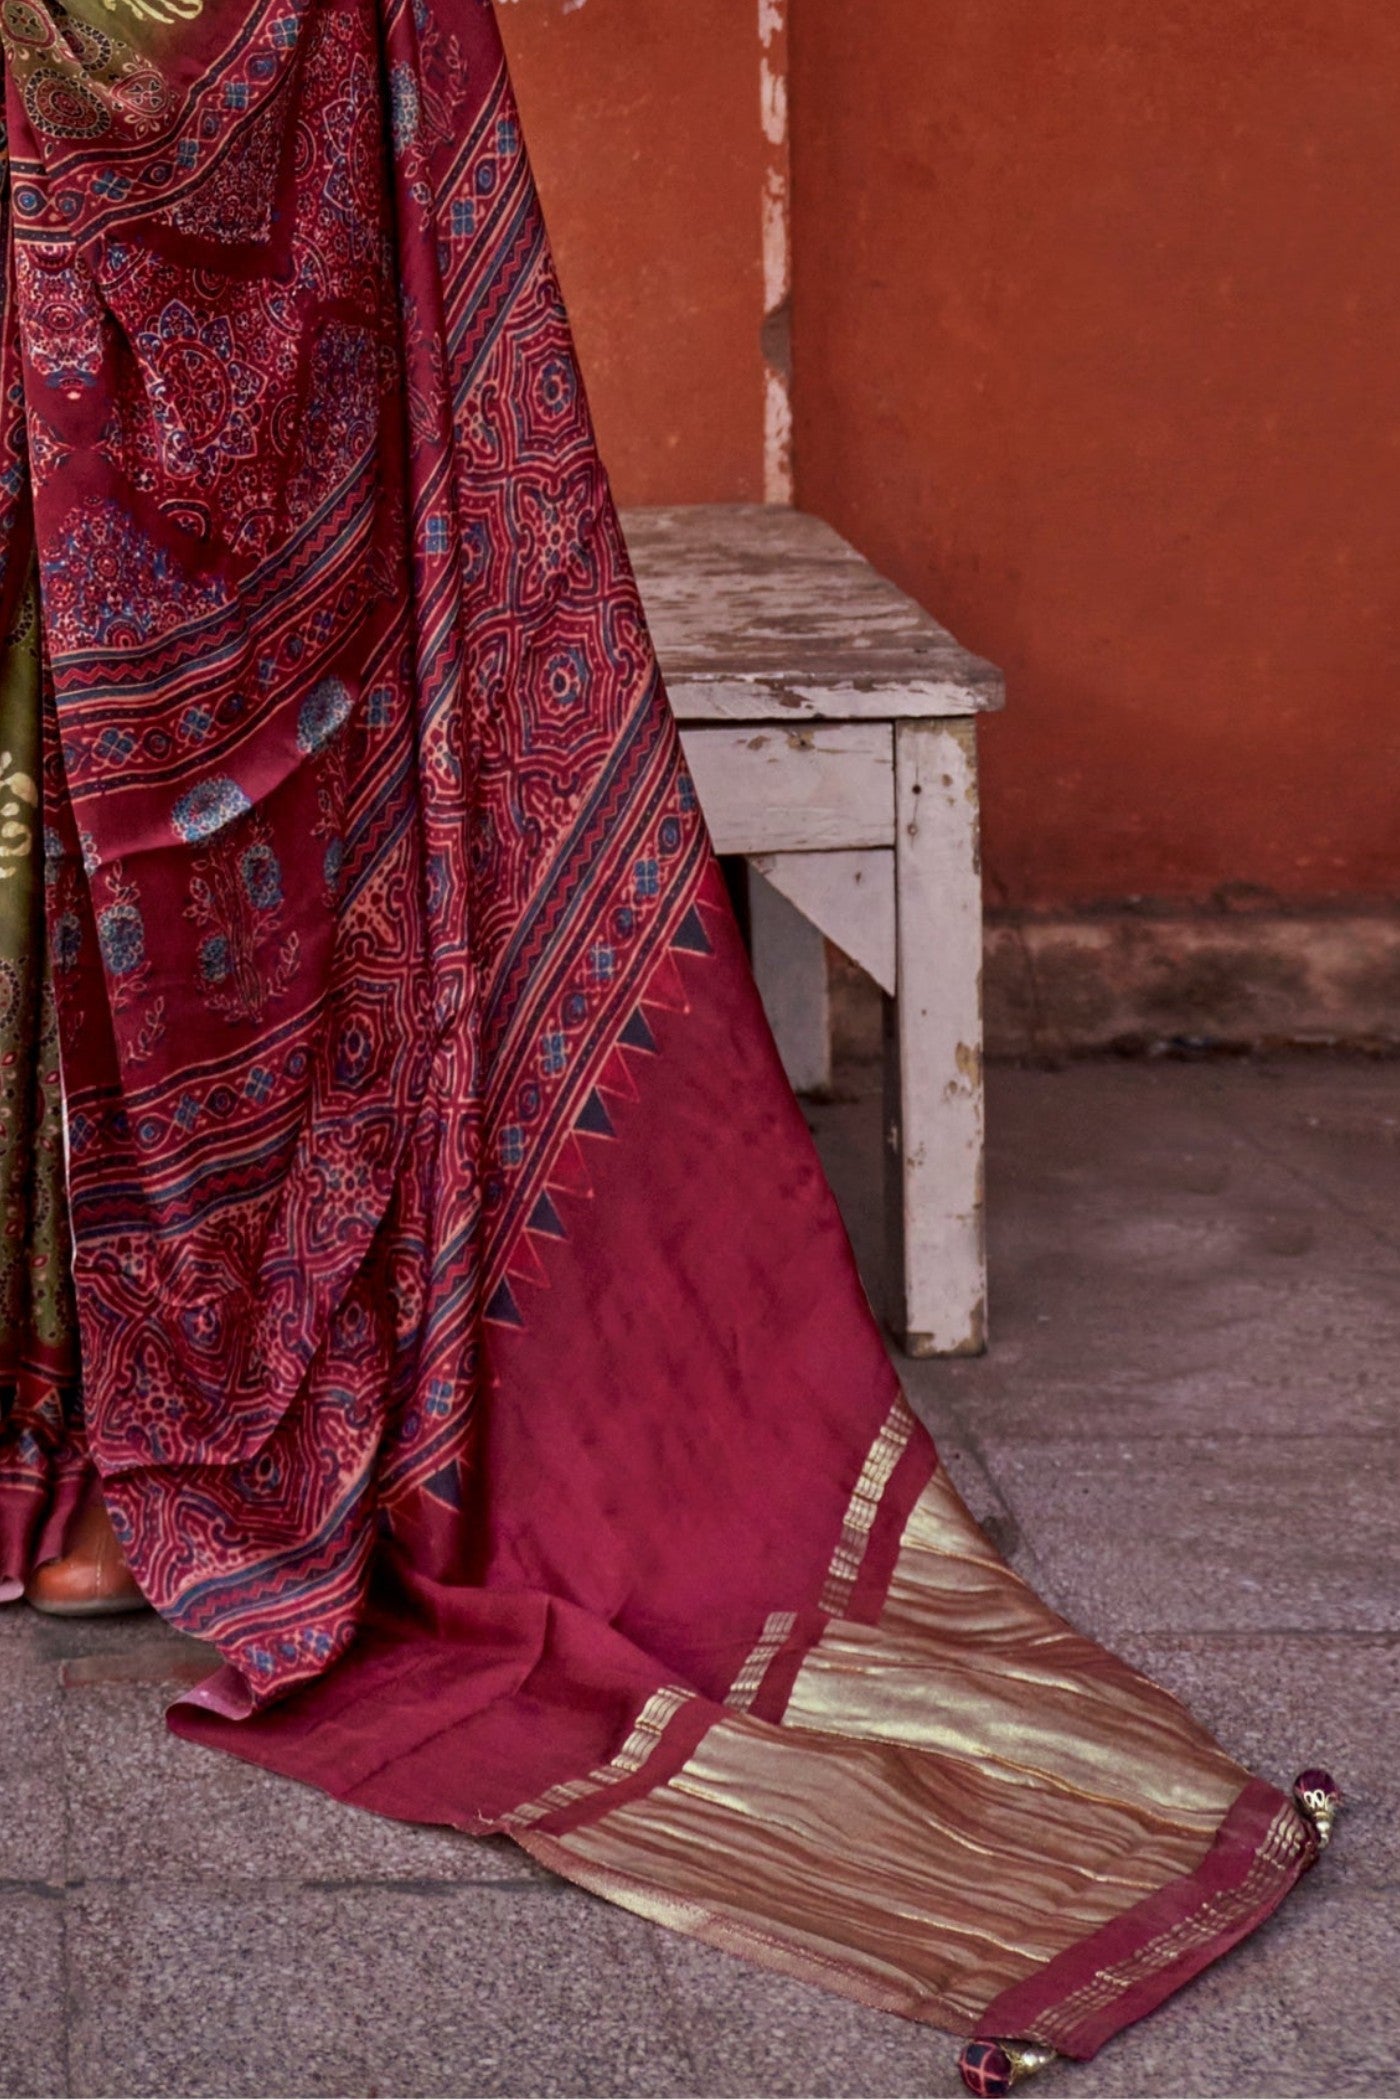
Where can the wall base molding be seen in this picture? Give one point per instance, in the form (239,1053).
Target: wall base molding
(1133,980)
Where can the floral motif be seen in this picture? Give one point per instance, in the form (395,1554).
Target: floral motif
(215,959)
(262,876)
(322,712)
(63,315)
(207,432)
(236,903)
(121,935)
(46,454)
(235,202)
(405,107)
(202,393)
(121,939)
(108,585)
(351,142)
(566,678)
(141,95)
(207,808)
(67,940)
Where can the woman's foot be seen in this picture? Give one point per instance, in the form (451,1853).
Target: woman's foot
(91,1579)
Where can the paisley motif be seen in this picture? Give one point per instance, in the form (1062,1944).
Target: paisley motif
(26,25)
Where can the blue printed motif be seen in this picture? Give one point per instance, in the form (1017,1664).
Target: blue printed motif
(557,386)
(207,808)
(195,723)
(215,959)
(566,677)
(107,585)
(122,938)
(404,107)
(354,1055)
(204,397)
(262,876)
(323,711)
(67,940)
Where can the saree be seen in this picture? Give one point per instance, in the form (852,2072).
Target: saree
(471,1349)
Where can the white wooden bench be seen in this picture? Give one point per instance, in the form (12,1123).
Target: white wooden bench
(831,727)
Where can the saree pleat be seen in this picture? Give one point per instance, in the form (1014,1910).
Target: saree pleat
(471,1347)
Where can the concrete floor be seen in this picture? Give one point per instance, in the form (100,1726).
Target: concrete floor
(1185,1435)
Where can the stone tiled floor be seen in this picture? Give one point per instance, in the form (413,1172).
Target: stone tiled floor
(1185,1435)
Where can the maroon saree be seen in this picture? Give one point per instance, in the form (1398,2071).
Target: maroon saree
(471,1349)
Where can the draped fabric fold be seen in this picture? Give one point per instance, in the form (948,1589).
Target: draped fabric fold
(471,1348)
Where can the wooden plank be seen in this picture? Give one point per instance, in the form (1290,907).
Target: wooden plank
(795,790)
(789,963)
(759,611)
(699,700)
(934,1098)
(850,896)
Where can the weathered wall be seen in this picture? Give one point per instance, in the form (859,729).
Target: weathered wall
(644,127)
(1097,350)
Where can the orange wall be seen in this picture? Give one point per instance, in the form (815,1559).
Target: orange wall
(1097,342)
(643,123)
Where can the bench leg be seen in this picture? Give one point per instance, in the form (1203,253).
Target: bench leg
(933,1090)
(789,962)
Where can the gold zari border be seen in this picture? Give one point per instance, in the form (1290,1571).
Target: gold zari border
(651,1724)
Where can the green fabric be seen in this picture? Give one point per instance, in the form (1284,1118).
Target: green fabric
(41,1457)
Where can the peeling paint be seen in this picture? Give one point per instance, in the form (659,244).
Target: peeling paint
(972,1341)
(776,224)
